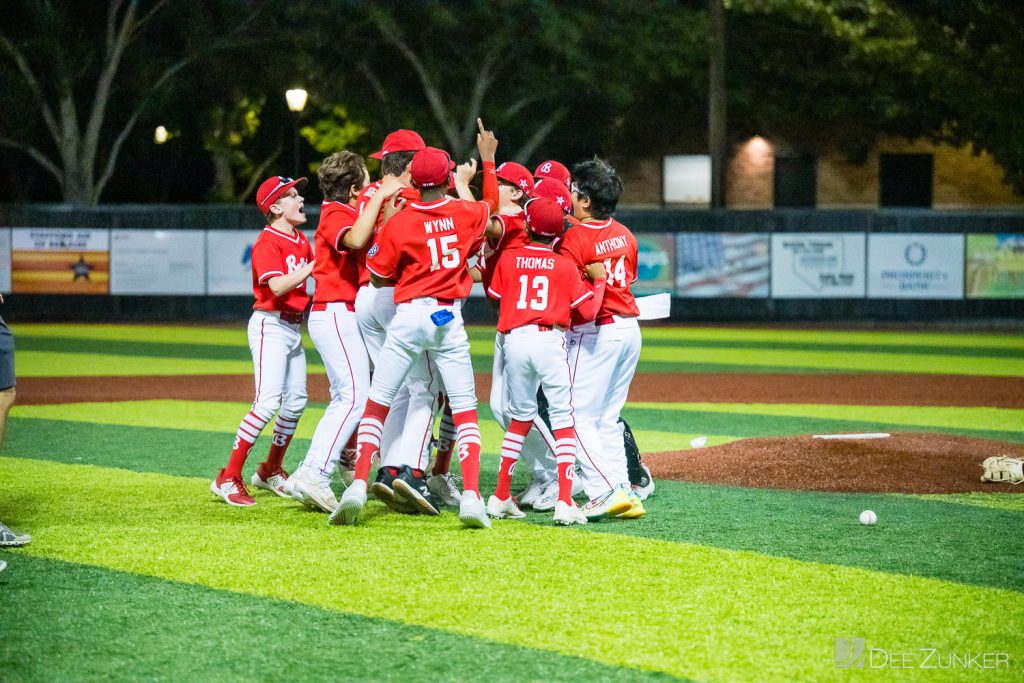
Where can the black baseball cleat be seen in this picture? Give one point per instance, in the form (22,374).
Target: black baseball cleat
(383,489)
(410,487)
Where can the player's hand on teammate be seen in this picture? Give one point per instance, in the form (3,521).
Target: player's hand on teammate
(465,173)
(486,143)
(595,271)
(394,202)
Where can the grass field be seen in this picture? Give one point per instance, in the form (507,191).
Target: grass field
(137,572)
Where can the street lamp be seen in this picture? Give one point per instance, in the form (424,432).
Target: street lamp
(296,98)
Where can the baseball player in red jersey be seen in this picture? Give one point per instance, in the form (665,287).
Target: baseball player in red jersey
(332,322)
(537,289)
(603,354)
(425,248)
(406,439)
(281,262)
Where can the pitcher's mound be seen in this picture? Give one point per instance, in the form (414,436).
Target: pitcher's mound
(902,463)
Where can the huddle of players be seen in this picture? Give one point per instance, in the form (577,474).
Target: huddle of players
(392,269)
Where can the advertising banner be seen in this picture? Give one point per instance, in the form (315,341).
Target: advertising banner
(655,267)
(60,260)
(229,261)
(915,266)
(995,266)
(722,264)
(5,260)
(820,265)
(157,262)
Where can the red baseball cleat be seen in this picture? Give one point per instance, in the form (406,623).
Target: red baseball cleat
(231,490)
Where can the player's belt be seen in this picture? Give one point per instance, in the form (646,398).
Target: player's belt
(533,328)
(605,320)
(293,318)
(349,306)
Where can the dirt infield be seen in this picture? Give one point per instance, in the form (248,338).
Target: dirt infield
(903,463)
(841,389)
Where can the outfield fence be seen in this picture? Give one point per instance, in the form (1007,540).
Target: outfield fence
(156,262)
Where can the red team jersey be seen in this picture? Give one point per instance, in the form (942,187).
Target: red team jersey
(277,253)
(425,248)
(410,194)
(536,286)
(513,234)
(611,243)
(337,268)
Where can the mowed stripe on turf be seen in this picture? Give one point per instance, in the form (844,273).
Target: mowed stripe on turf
(97,624)
(719,614)
(804,525)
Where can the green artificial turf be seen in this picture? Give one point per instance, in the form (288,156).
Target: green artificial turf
(65,621)
(718,613)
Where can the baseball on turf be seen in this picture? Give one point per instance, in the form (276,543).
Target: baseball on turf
(868,517)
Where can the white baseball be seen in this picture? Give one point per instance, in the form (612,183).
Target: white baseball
(699,442)
(868,517)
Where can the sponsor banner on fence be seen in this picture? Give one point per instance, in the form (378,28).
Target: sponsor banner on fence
(60,260)
(995,266)
(157,262)
(820,265)
(722,264)
(915,266)
(5,260)
(229,261)
(655,272)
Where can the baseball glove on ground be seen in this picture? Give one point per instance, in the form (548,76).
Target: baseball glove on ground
(1003,470)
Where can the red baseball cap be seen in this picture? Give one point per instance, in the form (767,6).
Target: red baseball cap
(545,217)
(273,188)
(516,174)
(555,170)
(553,189)
(431,167)
(401,140)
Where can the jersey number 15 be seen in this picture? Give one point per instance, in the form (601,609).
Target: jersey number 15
(444,252)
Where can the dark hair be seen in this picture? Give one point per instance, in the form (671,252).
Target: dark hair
(395,162)
(338,173)
(598,181)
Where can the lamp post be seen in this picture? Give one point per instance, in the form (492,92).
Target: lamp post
(296,98)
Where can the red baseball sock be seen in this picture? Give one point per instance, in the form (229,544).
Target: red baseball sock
(445,442)
(511,447)
(368,437)
(284,429)
(468,434)
(565,457)
(248,431)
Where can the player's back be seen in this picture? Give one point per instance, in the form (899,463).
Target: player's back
(611,243)
(428,245)
(536,286)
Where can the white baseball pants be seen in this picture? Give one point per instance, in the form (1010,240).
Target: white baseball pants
(335,332)
(411,334)
(602,360)
(538,447)
(408,429)
(280,366)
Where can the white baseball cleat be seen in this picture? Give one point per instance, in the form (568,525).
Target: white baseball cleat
(528,496)
(569,514)
(292,488)
(318,490)
(504,509)
(352,502)
(446,488)
(472,512)
(546,501)
(274,482)
(646,486)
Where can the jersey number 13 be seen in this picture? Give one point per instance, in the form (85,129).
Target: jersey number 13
(539,291)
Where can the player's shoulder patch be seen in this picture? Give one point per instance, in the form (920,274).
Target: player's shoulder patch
(373,250)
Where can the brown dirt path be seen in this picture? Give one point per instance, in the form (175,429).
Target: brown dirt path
(842,389)
(903,463)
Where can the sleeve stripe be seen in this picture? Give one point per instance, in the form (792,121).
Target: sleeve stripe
(269,274)
(583,298)
(490,290)
(386,277)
